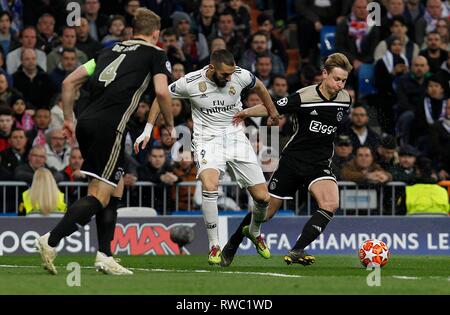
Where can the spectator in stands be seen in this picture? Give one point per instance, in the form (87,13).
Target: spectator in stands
(398,28)
(414,10)
(241,16)
(85,42)
(57,150)
(173,49)
(252,99)
(264,69)
(275,45)
(178,71)
(22,119)
(57,115)
(157,170)
(225,29)
(115,28)
(67,64)
(387,72)
(130,9)
(216,44)
(440,144)
(178,111)
(28,39)
(443,28)
(258,47)
(427,23)
(98,22)
(15,10)
(363,170)
(278,87)
(312,16)
(394,8)
(6,124)
(405,170)
(359,131)
(3,69)
(7,38)
(343,153)
(15,154)
(386,154)
(32,81)
(7,93)
(47,39)
(192,43)
(355,38)
(36,136)
(186,171)
(434,53)
(411,89)
(72,173)
(206,19)
(36,159)
(44,196)
(431,109)
(167,142)
(309,74)
(68,40)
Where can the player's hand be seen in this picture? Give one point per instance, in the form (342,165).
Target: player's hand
(273,120)
(69,132)
(239,117)
(144,138)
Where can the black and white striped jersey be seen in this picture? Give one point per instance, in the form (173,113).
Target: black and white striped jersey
(316,120)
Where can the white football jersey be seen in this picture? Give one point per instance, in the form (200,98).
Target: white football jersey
(212,107)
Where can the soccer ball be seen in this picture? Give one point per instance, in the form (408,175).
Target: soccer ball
(373,253)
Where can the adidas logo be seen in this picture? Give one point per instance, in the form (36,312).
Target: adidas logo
(314,113)
(318,228)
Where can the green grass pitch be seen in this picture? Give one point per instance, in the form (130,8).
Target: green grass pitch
(184,275)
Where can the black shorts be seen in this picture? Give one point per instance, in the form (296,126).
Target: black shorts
(102,148)
(292,175)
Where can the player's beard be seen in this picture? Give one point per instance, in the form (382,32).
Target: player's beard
(219,82)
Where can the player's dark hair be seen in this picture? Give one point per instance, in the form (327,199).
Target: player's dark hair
(222,56)
(145,22)
(337,60)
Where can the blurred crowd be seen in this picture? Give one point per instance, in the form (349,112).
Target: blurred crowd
(400,131)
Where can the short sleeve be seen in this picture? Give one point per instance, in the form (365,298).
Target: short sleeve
(245,78)
(160,64)
(178,89)
(289,104)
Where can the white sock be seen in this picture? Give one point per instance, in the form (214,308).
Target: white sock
(258,217)
(211,216)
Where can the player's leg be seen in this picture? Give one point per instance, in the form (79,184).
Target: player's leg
(210,184)
(78,214)
(326,194)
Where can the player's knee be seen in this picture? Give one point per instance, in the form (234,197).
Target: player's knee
(210,186)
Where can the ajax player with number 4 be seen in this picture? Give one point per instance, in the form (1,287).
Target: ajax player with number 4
(305,160)
(214,93)
(119,77)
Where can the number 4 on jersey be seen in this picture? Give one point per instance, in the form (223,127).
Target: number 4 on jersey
(110,72)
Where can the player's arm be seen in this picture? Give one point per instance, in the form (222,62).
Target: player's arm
(146,134)
(264,95)
(70,87)
(164,99)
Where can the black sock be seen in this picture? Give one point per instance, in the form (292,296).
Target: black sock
(106,224)
(237,237)
(80,213)
(313,228)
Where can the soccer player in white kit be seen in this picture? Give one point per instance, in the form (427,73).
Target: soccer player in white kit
(214,93)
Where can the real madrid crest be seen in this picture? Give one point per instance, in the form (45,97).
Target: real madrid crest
(202,86)
(232,90)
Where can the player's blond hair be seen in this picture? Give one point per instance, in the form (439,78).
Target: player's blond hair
(145,22)
(337,60)
(44,193)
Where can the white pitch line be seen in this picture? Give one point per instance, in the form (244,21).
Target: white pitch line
(271,274)
(406,278)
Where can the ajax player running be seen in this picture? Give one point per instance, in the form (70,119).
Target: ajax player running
(214,94)
(306,158)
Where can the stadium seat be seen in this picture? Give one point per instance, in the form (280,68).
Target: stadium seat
(365,80)
(327,40)
(131,212)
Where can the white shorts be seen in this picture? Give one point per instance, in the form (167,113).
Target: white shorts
(233,150)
